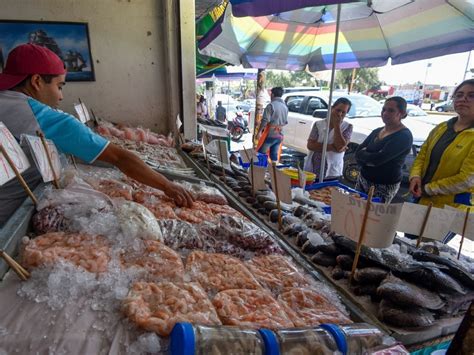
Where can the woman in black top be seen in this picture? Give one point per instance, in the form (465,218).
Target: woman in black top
(382,154)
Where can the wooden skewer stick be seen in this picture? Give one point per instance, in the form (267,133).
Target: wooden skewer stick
(94,117)
(18,175)
(280,224)
(73,161)
(252,178)
(48,155)
(464,231)
(423,226)
(362,232)
(222,162)
(19,270)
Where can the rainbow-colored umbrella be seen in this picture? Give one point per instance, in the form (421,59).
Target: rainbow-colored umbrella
(370,33)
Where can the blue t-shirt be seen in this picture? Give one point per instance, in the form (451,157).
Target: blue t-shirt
(68,134)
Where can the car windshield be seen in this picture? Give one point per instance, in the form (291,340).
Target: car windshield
(362,106)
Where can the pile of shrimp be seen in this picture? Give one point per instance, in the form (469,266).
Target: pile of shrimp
(250,309)
(157,307)
(91,253)
(275,272)
(156,261)
(218,272)
(308,308)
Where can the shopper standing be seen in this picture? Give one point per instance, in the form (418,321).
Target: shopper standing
(270,133)
(382,154)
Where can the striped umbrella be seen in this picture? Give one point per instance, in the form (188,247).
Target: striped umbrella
(370,33)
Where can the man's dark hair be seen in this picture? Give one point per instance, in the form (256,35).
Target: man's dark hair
(277,91)
(344,101)
(46,77)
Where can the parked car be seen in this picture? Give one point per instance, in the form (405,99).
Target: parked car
(418,114)
(445,106)
(305,108)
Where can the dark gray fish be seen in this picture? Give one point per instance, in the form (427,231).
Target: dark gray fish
(323,259)
(257,205)
(404,317)
(345,261)
(244,194)
(370,275)
(300,211)
(338,273)
(314,239)
(302,237)
(329,248)
(270,205)
(264,198)
(456,304)
(293,229)
(433,278)
(362,290)
(405,294)
(455,269)
(251,200)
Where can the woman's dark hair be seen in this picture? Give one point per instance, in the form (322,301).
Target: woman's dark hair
(465,82)
(277,91)
(401,104)
(344,101)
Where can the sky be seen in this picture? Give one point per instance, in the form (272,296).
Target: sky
(446,70)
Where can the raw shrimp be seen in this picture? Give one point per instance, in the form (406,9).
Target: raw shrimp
(158,307)
(307,308)
(217,272)
(250,308)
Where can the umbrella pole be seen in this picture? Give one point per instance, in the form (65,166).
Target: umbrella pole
(333,71)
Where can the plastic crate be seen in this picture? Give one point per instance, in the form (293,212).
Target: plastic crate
(262,161)
(317,186)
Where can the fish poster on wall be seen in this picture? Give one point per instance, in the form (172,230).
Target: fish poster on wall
(69,40)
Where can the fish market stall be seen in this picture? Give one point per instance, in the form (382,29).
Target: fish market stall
(419,295)
(115,265)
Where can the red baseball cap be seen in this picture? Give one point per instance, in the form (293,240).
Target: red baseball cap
(28,59)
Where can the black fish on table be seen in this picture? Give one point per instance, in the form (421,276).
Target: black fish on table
(455,269)
(370,275)
(405,294)
(433,278)
(404,317)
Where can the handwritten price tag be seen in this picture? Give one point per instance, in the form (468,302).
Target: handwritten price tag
(438,224)
(82,112)
(258,177)
(283,183)
(15,153)
(458,222)
(41,159)
(347,214)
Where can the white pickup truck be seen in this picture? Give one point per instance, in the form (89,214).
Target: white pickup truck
(305,108)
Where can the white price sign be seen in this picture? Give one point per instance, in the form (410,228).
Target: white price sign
(257,177)
(347,214)
(458,222)
(437,226)
(41,159)
(82,112)
(282,183)
(15,153)
(247,154)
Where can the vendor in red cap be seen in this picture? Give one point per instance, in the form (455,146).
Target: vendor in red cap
(30,91)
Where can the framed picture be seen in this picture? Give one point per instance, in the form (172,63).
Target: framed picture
(69,40)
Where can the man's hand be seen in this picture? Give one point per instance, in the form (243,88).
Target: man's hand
(179,194)
(415,187)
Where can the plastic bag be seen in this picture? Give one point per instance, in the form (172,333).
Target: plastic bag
(276,272)
(89,252)
(205,193)
(217,272)
(136,221)
(158,307)
(156,262)
(250,309)
(308,308)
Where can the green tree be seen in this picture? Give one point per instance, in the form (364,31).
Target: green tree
(288,78)
(364,79)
